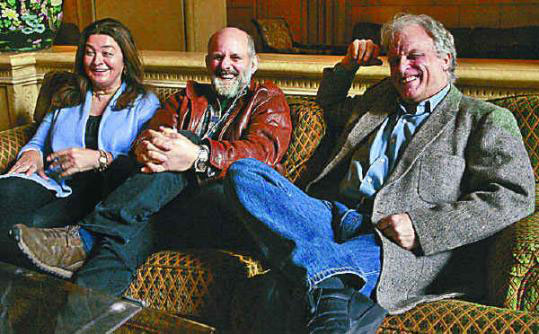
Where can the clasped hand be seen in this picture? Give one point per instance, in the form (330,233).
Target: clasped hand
(69,161)
(362,52)
(165,150)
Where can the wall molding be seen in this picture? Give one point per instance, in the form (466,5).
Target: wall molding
(165,72)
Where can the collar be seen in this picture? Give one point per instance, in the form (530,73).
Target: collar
(224,104)
(427,105)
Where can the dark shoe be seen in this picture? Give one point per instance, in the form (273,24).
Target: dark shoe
(55,250)
(342,311)
(279,307)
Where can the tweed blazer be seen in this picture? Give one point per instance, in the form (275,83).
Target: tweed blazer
(464,176)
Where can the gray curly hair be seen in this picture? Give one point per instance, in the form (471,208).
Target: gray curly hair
(444,43)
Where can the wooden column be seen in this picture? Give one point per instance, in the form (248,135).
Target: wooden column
(202,19)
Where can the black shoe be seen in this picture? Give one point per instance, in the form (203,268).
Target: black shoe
(342,311)
(279,306)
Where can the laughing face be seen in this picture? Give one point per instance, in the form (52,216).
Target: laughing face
(103,62)
(417,70)
(229,62)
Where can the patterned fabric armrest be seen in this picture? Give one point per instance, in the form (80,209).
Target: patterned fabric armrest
(11,142)
(513,280)
(513,266)
(309,129)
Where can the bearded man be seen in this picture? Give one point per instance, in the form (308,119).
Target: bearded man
(179,162)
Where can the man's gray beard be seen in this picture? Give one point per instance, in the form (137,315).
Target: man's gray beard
(228,89)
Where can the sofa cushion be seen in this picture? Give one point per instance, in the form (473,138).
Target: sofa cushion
(193,282)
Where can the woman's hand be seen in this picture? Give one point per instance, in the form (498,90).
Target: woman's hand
(74,160)
(29,163)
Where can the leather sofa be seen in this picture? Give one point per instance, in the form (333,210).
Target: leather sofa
(219,287)
(511,43)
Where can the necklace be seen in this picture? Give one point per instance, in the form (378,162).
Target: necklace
(105,92)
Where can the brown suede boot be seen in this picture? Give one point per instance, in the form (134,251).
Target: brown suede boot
(57,251)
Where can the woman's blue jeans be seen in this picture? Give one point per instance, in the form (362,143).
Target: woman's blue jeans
(295,232)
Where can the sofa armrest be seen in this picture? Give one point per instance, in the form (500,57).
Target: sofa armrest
(11,141)
(309,127)
(513,270)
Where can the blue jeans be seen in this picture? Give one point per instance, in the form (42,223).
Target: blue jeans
(295,232)
(150,212)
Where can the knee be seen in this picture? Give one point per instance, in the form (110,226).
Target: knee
(9,185)
(245,168)
(242,173)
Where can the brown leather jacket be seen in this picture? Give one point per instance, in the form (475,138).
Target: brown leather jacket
(258,127)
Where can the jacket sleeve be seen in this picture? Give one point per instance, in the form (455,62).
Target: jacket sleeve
(266,136)
(37,143)
(146,108)
(497,188)
(333,97)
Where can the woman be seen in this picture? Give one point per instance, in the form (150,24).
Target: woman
(94,117)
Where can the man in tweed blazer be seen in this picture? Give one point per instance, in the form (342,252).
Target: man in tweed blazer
(418,176)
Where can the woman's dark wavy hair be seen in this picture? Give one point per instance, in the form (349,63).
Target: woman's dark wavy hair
(133,71)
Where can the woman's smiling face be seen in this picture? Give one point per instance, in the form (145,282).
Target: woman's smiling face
(103,61)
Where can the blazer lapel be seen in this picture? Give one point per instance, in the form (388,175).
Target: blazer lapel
(428,132)
(360,129)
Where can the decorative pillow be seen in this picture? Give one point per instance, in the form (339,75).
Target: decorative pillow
(275,33)
(526,111)
(309,128)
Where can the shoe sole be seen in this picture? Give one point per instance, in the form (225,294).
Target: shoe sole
(60,272)
(370,321)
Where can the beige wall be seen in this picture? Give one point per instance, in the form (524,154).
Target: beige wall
(155,24)
(166,25)
(166,72)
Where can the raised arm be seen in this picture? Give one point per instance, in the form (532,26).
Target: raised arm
(336,82)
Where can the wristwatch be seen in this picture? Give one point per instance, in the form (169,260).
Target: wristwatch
(103,161)
(201,162)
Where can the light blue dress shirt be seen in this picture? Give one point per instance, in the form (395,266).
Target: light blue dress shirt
(390,141)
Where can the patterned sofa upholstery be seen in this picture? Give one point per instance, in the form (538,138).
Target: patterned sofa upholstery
(217,287)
